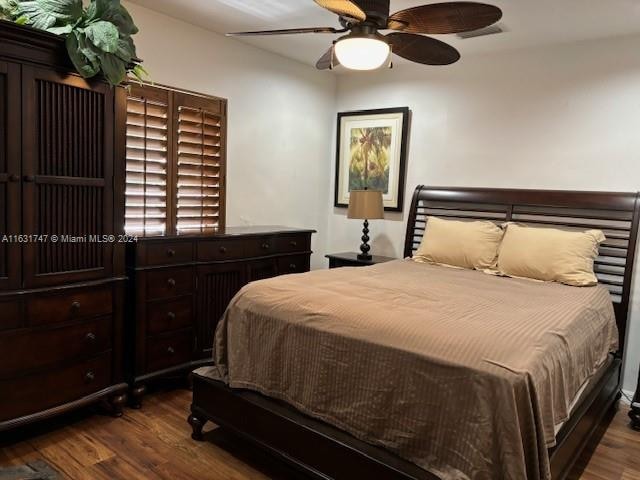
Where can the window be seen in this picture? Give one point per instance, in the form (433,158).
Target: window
(175,161)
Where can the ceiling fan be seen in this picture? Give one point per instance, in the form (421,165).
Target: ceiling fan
(365,48)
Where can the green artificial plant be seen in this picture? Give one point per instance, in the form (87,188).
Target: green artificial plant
(98,37)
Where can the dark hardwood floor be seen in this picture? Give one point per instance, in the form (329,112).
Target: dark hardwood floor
(154,443)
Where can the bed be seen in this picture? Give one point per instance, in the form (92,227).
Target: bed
(316,375)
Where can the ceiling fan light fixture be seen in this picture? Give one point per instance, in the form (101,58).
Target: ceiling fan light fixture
(362,52)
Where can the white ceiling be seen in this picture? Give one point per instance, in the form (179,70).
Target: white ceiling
(527,22)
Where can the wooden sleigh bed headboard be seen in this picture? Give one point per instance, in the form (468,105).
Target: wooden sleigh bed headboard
(616,214)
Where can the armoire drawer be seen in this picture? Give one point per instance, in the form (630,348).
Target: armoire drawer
(169,350)
(170,253)
(70,305)
(169,282)
(30,350)
(32,393)
(293,243)
(166,316)
(293,264)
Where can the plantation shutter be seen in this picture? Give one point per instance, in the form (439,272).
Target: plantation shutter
(175,161)
(147,171)
(200,168)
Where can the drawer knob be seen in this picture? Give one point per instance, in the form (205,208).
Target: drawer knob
(14,178)
(89,377)
(171,252)
(90,337)
(171,282)
(223,250)
(171,316)
(265,246)
(170,351)
(292,266)
(293,243)
(75,306)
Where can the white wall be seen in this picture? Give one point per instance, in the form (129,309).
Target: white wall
(281,116)
(565,117)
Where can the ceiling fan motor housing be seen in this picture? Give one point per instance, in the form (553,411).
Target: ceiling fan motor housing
(377,11)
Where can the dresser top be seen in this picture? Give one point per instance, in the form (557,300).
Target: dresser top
(244,231)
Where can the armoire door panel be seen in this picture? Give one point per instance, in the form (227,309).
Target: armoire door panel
(217,285)
(10,205)
(67,178)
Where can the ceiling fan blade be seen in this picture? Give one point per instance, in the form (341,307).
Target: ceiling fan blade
(344,8)
(425,50)
(325,62)
(440,18)
(289,31)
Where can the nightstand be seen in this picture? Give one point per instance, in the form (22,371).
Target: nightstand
(350,259)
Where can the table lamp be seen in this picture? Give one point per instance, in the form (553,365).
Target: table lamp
(365,205)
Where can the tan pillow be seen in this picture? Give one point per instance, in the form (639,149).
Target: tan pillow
(460,244)
(550,254)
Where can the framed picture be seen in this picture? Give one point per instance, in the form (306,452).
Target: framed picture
(371,154)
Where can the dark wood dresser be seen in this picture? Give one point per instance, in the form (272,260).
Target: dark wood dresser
(61,267)
(179,287)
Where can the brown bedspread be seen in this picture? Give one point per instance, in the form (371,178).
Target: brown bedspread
(462,373)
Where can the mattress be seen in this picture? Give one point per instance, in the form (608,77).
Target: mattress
(465,374)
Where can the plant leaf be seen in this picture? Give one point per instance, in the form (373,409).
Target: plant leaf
(112,11)
(140,73)
(114,68)
(126,49)
(65,30)
(7,9)
(91,52)
(103,35)
(45,14)
(83,64)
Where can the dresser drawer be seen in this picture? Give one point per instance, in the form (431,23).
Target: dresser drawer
(293,243)
(261,246)
(169,350)
(10,315)
(32,393)
(169,315)
(293,264)
(71,305)
(220,250)
(25,351)
(169,253)
(169,282)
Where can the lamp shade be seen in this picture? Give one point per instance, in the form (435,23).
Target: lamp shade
(365,205)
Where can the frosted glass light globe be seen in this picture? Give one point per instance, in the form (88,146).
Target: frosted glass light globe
(362,53)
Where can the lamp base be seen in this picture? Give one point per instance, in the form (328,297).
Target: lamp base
(365,248)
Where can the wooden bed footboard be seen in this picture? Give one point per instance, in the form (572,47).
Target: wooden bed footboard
(320,451)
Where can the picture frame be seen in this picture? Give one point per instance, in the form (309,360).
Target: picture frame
(371,153)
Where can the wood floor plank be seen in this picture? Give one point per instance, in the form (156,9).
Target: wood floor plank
(155,443)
